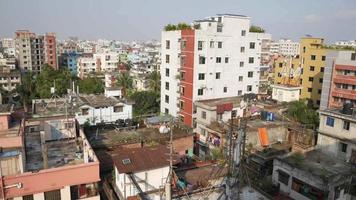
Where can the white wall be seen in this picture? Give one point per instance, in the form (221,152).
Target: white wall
(107,114)
(153,179)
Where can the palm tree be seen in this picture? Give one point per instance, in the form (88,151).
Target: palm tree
(27,89)
(124,80)
(155,81)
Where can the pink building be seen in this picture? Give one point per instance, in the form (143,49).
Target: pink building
(48,158)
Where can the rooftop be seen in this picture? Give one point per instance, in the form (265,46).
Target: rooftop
(318,163)
(215,102)
(338,113)
(129,160)
(108,137)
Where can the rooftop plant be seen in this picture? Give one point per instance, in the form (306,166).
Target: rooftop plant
(179,26)
(256,29)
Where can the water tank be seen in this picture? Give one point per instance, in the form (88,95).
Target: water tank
(347,108)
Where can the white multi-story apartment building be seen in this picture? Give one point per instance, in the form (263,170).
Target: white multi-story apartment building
(101,62)
(217,58)
(351,43)
(285,47)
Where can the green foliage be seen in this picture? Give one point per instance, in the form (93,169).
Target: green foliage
(179,26)
(256,29)
(303,113)
(124,80)
(336,47)
(297,158)
(155,81)
(27,89)
(146,102)
(217,154)
(91,85)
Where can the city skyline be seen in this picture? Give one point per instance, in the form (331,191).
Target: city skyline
(126,20)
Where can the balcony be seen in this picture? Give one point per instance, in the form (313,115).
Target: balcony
(343,93)
(344,79)
(345,67)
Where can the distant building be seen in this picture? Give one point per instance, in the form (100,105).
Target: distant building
(68,60)
(339,82)
(98,63)
(33,51)
(351,43)
(141,170)
(285,47)
(7,61)
(218,58)
(9,79)
(46,159)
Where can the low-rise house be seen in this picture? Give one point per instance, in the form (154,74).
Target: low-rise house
(48,158)
(9,79)
(141,170)
(92,109)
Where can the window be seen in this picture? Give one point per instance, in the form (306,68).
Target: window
(353,56)
(313,57)
(330,121)
(182,90)
(85,111)
(200,45)
(203,114)
(52,195)
(167,58)
(323,58)
(321,69)
(242,49)
(226,59)
(311,68)
(241,64)
(200,92)
(166,111)
(182,76)
(239,92)
(225,89)
(219,45)
(319,91)
(311,79)
(251,60)
(241,78)
(343,147)
(217,75)
(118,109)
(167,85)
(346,125)
(27,197)
(243,33)
(167,72)
(168,44)
(252,45)
(201,76)
(218,59)
(201,60)
(283,177)
(211,44)
(219,28)
(249,88)
(181,105)
(183,45)
(166,99)
(320,80)
(250,74)
(310,89)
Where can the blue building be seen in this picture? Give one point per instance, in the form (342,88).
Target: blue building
(69,60)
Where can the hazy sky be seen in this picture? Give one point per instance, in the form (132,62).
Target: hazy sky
(144,19)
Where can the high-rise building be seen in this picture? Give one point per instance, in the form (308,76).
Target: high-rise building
(218,57)
(339,81)
(312,57)
(33,51)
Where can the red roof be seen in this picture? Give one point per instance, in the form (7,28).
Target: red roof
(141,159)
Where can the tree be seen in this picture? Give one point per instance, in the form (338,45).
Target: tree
(90,85)
(256,29)
(146,102)
(27,89)
(124,80)
(155,81)
(303,114)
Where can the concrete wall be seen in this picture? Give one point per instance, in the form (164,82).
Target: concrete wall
(147,180)
(96,115)
(337,130)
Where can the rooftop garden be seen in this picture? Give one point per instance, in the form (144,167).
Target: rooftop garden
(176,27)
(256,29)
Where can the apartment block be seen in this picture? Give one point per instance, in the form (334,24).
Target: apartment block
(100,62)
(312,58)
(285,47)
(9,79)
(218,57)
(339,81)
(48,158)
(33,51)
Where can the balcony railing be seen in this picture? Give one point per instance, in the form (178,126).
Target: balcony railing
(343,93)
(345,79)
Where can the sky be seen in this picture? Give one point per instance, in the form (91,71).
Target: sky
(144,19)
